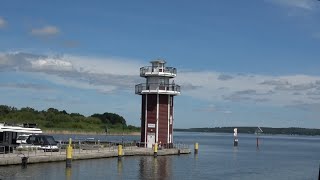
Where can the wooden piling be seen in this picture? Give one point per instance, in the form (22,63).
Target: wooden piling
(24,162)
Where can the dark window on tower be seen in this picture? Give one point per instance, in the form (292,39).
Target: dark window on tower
(1,136)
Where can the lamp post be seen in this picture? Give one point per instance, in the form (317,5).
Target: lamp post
(106,131)
(122,130)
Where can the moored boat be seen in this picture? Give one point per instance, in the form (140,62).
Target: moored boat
(9,134)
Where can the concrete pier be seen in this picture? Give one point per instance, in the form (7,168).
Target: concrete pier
(42,157)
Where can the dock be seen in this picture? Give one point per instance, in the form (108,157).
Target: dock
(39,156)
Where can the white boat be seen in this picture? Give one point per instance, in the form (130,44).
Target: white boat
(9,134)
(22,139)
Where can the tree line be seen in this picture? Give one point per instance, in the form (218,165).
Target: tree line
(55,119)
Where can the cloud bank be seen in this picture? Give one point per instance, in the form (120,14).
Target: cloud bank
(111,75)
(101,74)
(253,88)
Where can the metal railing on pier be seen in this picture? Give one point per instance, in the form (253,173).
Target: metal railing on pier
(79,147)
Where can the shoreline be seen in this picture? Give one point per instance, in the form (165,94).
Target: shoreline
(90,133)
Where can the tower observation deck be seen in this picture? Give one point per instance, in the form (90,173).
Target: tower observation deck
(158,79)
(157,103)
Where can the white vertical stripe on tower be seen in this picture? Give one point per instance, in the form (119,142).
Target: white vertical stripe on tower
(146,122)
(157,133)
(172,119)
(168,118)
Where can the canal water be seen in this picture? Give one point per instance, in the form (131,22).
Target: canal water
(278,157)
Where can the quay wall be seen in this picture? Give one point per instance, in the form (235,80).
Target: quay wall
(44,157)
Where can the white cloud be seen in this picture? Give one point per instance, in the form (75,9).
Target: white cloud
(304,11)
(213,109)
(102,74)
(110,65)
(316,35)
(45,31)
(2,22)
(76,83)
(51,64)
(29,86)
(307,5)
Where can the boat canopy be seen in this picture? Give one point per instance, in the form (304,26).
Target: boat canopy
(19,129)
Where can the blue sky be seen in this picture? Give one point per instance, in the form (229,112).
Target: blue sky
(240,63)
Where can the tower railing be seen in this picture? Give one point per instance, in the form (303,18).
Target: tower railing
(157,87)
(156,70)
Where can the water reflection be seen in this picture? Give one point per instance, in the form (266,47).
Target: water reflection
(68,173)
(119,167)
(30,172)
(196,157)
(8,172)
(155,168)
(235,153)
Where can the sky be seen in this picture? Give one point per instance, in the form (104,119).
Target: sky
(240,63)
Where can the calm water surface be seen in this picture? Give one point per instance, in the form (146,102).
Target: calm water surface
(279,157)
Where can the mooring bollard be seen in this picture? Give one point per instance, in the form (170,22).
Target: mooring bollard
(196,147)
(155,150)
(69,154)
(24,162)
(120,151)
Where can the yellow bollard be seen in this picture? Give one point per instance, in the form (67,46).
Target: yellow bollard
(120,151)
(196,147)
(69,154)
(155,150)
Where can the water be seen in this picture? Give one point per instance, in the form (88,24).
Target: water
(279,157)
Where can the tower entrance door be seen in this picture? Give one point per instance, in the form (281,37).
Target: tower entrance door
(150,139)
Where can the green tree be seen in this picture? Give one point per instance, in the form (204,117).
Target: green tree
(110,118)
